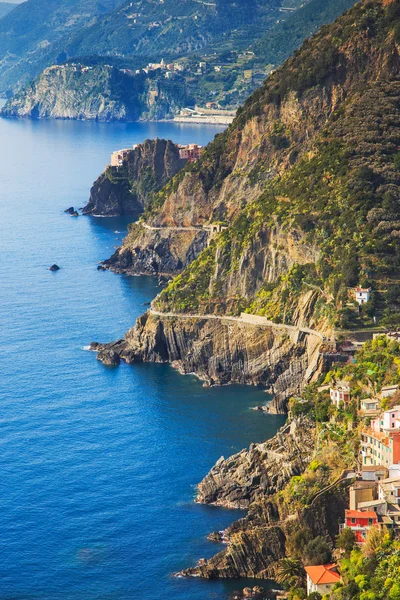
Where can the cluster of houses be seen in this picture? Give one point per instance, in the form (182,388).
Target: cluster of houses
(189,152)
(374,496)
(374,501)
(380,439)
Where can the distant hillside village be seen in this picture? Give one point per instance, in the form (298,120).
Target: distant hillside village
(211,89)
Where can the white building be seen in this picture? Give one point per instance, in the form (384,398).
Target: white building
(369,404)
(363,295)
(340,393)
(389,390)
(321,578)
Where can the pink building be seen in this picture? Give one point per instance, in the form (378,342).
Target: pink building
(387,421)
(191,152)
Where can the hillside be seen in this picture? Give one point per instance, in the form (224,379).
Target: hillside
(102,93)
(306,180)
(30,33)
(213,43)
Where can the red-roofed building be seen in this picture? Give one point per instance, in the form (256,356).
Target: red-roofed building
(321,578)
(360,521)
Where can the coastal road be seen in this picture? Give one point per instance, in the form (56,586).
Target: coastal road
(146,226)
(244,318)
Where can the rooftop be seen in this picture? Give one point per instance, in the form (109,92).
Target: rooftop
(363,485)
(321,574)
(371,503)
(373,468)
(360,514)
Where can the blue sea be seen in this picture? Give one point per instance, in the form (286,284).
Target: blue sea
(98,466)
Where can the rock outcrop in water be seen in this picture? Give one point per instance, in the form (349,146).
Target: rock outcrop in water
(126,190)
(260,471)
(222,352)
(251,479)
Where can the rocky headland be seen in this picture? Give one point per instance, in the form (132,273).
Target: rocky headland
(253,479)
(100,92)
(127,190)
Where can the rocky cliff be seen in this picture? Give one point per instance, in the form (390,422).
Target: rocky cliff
(223,351)
(101,93)
(126,190)
(250,479)
(260,471)
(306,183)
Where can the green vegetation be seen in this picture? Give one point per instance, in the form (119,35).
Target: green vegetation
(341,197)
(373,571)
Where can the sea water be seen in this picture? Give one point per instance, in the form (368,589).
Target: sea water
(98,466)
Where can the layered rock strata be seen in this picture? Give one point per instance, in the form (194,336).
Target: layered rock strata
(126,190)
(221,351)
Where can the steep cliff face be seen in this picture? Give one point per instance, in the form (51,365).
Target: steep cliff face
(250,479)
(223,351)
(65,92)
(260,540)
(260,471)
(126,190)
(306,182)
(157,251)
(281,124)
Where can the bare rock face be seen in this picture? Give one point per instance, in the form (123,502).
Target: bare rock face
(260,471)
(108,357)
(126,190)
(222,352)
(157,251)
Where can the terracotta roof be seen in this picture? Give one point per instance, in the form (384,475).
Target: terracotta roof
(323,574)
(366,514)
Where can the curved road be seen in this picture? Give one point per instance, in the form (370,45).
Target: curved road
(263,322)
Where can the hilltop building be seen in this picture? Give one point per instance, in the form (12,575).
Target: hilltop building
(191,152)
(118,157)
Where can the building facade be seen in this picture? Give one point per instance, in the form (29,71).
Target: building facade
(321,578)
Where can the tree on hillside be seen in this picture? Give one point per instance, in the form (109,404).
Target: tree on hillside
(290,571)
(317,552)
(346,540)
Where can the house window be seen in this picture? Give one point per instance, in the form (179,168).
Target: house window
(353,521)
(370,521)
